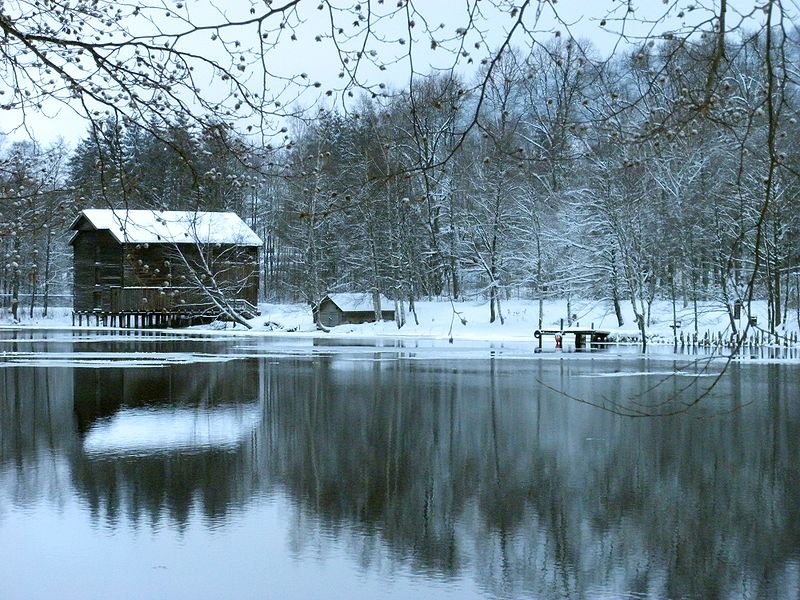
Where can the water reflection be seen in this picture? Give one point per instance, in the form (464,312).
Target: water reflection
(449,467)
(478,467)
(170,441)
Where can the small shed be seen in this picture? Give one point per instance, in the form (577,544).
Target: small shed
(352,309)
(161,261)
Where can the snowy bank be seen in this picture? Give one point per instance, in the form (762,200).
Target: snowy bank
(469,320)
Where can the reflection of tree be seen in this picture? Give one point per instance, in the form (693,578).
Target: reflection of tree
(154,489)
(35,431)
(540,495)
(422,459)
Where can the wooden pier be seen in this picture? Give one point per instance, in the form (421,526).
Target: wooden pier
(139,319)
(582,334)
(163,317)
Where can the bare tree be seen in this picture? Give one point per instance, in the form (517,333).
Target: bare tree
(33,214)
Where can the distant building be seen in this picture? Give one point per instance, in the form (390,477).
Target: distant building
(163,261)
(353,309)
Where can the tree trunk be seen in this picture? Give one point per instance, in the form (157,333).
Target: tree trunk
(413,309)
(618,310)
(46,289)
(33,276)
(776,294)
(400,314)
(639,318)
(15,280)
(787,287)
(376,304)
(541,309)
(615,295)
(695,280)
(797,297)
(499,308)
(776,286)
(569,309)
(33,294)
(674,310)
(455,279)
(640,321)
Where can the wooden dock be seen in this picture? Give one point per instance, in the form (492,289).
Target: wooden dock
(582,334)
(163,317)
(139,319)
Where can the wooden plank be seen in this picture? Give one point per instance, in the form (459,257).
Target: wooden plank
(578,331)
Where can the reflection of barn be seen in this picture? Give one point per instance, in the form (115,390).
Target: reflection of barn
(163,267)
(340,309)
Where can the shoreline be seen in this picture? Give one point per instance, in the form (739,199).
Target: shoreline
(468,321)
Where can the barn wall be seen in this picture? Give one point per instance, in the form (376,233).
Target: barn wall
(147,266)
(96,268)
(235,268)
(329,314)
(101,263)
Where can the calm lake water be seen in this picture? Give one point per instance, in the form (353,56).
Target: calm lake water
(212,467)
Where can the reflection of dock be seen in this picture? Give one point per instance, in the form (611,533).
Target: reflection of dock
(594,336)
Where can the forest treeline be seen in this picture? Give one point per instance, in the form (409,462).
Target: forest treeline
(669,171)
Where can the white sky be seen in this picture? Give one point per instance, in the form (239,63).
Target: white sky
(320,62)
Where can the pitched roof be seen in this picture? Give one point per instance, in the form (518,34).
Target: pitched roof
(169,226)
(355,302)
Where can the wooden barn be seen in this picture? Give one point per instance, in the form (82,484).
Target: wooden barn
(352,308)
(131,262)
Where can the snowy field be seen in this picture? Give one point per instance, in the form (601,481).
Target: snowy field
(470,321)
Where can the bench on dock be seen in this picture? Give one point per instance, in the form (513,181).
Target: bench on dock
(580,333)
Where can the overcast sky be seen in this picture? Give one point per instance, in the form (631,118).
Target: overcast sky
(319,61)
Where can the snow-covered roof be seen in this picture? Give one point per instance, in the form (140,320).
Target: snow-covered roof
(355,302)
(170,226)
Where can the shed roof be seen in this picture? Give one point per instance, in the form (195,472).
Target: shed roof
(357,302)
(168,226)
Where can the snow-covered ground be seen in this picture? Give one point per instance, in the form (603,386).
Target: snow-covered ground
(470,321)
